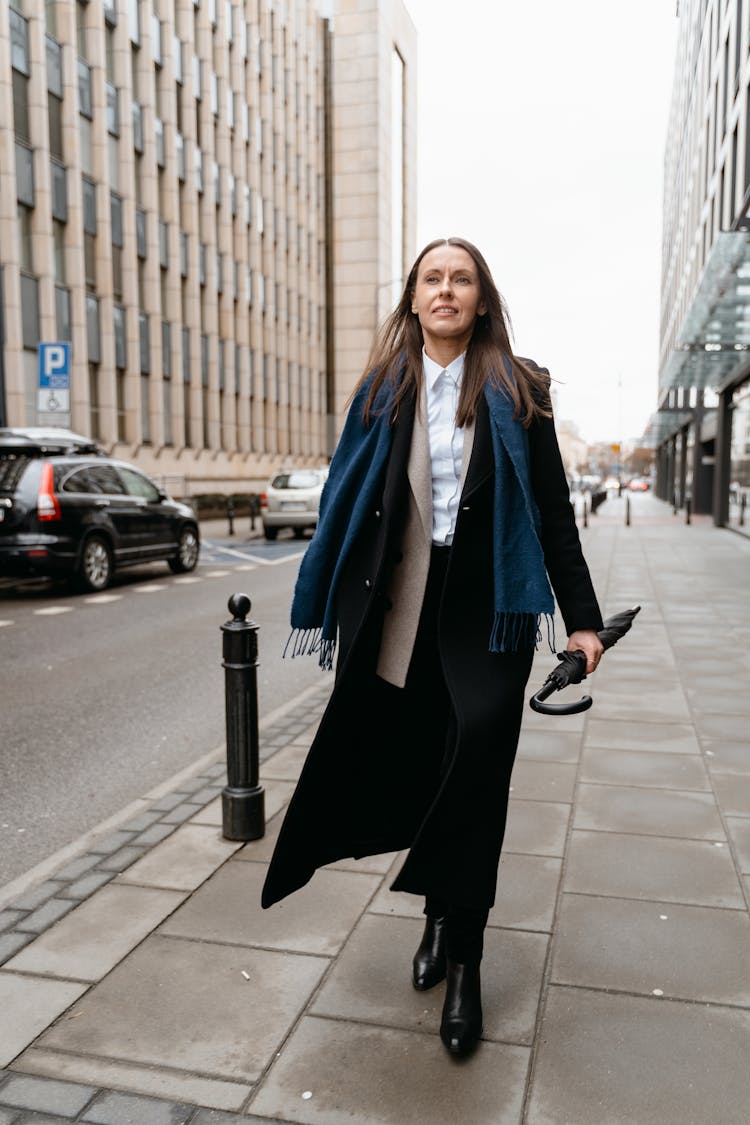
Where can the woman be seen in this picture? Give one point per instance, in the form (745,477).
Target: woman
(445,510)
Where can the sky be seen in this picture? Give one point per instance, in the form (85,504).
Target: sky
(541,131)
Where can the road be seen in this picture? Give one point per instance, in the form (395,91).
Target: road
(106,696)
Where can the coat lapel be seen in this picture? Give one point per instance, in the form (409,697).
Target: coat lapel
(419,470)
(481,463)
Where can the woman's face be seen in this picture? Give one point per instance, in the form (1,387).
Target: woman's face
(447,298)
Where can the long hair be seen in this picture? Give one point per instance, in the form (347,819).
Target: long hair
(398,348)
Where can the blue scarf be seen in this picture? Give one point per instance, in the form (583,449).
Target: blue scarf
(522,593)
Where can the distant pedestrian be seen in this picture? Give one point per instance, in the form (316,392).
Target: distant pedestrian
(446,509)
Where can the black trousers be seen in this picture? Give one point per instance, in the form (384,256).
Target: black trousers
(425,710)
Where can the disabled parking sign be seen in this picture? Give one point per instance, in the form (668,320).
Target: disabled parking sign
(54,378)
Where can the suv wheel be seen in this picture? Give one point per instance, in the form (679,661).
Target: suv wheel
(95,571)
(187,552)
(270,532)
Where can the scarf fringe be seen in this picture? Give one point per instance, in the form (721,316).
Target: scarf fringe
(307,642)
(513,632)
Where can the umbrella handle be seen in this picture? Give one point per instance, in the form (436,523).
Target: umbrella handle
(536,704)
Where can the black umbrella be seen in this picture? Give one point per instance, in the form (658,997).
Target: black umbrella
(572,668)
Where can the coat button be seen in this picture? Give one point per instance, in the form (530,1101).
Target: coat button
(368,583)
(378,514)
(466,508)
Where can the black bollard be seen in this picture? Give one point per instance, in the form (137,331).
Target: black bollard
(688,507)
(585,513)
(243,798)
(743,501)
(254,509)
(230,516)
(627,511)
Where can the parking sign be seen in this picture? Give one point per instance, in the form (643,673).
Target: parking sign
(54,378)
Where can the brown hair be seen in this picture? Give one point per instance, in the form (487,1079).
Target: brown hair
(399,343)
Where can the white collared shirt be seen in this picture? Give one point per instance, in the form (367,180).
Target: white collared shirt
(443,385)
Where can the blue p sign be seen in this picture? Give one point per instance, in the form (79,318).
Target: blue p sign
(54,379)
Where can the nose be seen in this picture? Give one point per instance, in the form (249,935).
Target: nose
(445,284)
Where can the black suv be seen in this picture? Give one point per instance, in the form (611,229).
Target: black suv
(67,509)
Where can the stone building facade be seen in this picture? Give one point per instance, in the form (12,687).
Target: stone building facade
(209,200)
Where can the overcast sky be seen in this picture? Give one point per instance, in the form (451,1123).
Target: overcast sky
(541,137)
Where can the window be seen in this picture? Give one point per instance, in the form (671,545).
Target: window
(30,311)
(62,312)
(59,191)
(25,244)
(140,232)
(58,237)
(144,336)
(54,117)
(161,157)
(116,218)
(121,350)
(24,174)
(136,484)
(166,349)
(19,42)
(21,107)
(163,244)
(93,335)
(84,89)
(54,67)
(105,480)
(113,110)
(137,126)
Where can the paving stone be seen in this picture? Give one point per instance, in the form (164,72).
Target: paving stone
(370,982)
(650,1062)
(78,867)
(729,727)
(689,952)
(663,704)
(179,815)
(286,764)
(168,802)
(358,1074)
(662,771)
(42,1119)
(176,1085)
(192,784)
(29,1006)
(46,915)
(143,820)
(668,738)
(111,843)
(8,1116)
(26,1092)
(543,781)
(707,701)
(36,896)
(548,746)
(316,919)
(154,835)
(260,851)
(732,793)
(652,867)
(83,888)
(8,919)
(183,861)
(10,943)
(370,864)
(122,859)
(657,812)
(186,1006)
(86,944)
(536,827)
(728,757)
(739,830)
(216,1117)
(112,1108)
(204,795)
(526,892)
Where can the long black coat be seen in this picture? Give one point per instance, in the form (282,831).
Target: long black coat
(366,787)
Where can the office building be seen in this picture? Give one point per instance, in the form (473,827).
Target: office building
(702,429)
(207,199)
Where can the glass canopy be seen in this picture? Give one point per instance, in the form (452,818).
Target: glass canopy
(715,334)
(662,425)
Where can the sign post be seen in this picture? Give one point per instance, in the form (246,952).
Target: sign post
(54,382)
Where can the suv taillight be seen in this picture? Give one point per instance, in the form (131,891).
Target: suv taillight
(263,500)
(47,504)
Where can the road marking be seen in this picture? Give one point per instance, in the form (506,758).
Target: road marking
(274,562)
(245,566)
(102,599)
(217,573)
(151,589)
(186,580)
(52,610)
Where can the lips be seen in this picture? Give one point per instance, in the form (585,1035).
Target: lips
(445,310)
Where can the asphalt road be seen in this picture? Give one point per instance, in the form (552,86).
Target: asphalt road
(103,697)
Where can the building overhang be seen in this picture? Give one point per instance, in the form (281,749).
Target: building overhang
(664,424)
(715,336)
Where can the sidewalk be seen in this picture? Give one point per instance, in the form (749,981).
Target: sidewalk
(144,985)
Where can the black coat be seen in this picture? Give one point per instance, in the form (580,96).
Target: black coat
(367,786)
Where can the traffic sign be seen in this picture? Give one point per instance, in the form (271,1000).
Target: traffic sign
(54,378)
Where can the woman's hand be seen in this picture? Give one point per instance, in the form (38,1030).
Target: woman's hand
(588,642)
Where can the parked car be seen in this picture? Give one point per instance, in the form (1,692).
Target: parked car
(67,509)
(291,500)
(639,484)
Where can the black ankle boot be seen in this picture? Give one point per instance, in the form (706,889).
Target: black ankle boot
(461,1024)
(429,960)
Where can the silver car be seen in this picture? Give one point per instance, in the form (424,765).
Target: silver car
(291,500)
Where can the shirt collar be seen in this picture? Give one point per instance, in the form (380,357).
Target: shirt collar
(433,370)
